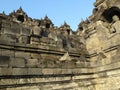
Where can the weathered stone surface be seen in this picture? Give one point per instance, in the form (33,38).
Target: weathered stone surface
(20,71)
(24,88)
(25,31)
(6,71)
(4,52)
(17,62)
(34,71)
(20,54)
(23,39)
(32,62)
(8,38)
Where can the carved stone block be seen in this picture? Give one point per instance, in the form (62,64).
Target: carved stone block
(6,71)
(23,39)
(5,52)
(25,31)
(24,55)
(4,61)
(34,71)
(32,62)
(8,38)
(17,62)
(5,24)
(20,71)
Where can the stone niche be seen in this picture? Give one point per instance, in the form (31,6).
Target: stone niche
(23,39)
(8,38)
(20,18)
(25,31)
(4,61)
(110,12)
(14,31)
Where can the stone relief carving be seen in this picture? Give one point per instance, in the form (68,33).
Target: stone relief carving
(65,57)
(115,27)
(102,31)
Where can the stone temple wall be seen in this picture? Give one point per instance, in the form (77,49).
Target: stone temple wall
(36,55)
(102,43)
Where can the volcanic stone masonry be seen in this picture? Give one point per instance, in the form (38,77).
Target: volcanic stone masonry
(36,55)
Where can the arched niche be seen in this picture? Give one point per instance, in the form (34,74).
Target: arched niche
(81,28)
(68,31)
(20,18)
(47,25)
(109,13)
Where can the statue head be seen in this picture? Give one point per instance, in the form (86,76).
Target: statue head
(115,18)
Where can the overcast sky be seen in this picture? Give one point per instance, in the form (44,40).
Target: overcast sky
(71,11)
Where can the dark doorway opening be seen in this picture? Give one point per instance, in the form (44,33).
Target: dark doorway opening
(47,25)
(109,13)
(68,31)
(81,28)
(20,18)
